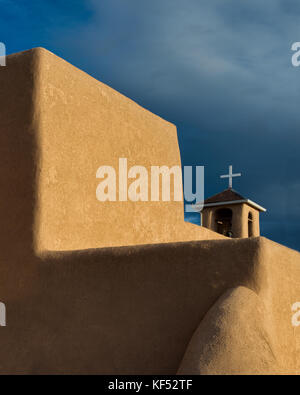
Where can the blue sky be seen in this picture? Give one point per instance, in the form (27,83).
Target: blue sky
(219,69)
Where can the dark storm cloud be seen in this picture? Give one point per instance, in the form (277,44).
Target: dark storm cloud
(224,66)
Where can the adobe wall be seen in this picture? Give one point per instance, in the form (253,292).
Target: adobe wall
(84,124)
(241,344)
(18,170)
(135,309)
(48,162)
(255,334)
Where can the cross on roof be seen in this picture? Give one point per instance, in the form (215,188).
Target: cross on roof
(230,176)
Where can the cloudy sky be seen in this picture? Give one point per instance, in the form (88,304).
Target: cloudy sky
(219,69)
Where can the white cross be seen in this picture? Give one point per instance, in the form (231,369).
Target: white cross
(230,176)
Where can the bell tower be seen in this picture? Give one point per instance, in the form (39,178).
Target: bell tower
(230,214)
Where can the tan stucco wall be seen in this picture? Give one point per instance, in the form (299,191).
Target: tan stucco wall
(84,124)
(242,344)
(18,172)
(135,309)
(249,330)
(130,309)
(240,214)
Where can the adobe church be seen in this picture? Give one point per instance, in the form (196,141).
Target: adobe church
(124,287)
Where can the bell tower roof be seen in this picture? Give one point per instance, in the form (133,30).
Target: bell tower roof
(230,196)
(224,196)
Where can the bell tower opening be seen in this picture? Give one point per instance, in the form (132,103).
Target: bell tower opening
(223,218)
(250,225)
